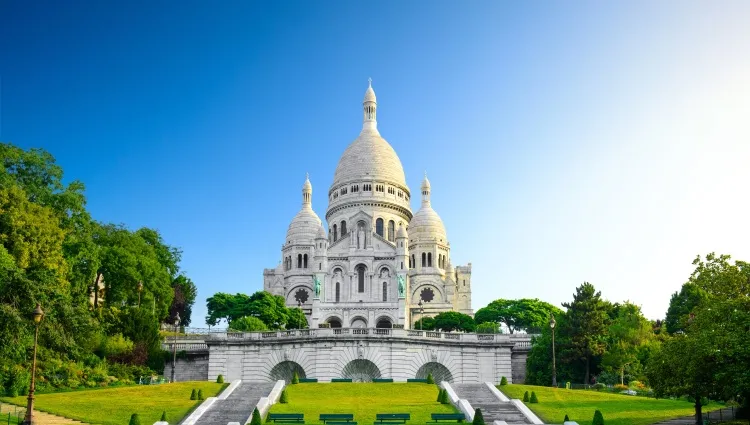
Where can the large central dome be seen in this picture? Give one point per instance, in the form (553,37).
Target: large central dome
(369,156)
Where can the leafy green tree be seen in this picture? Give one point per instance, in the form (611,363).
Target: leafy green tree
(270,309)
(425,323)
(627,333)
(449,321)
(681,305)
(588,321)
(248,324)
(488,328)
(524,314)
(296,319)
(185,293)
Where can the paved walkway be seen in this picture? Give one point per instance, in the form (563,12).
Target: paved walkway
(40,418)
(238,406)
(716,416)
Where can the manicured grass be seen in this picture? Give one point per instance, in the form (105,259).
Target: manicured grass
(617,409)
(364,400)
(113,406)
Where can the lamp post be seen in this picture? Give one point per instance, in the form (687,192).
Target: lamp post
(140,289)
(174,345)
(299,306)
(552,324)
(29,418)
(421,314)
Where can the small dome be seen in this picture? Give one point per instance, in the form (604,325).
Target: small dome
(426,225)
(304,227)
(425,182)
(401,233)
(321,233)
(370,93)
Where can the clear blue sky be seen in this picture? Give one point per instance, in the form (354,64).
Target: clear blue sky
(565,141)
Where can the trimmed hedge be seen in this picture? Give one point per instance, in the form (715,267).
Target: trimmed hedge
(526,397)
(503,381)
(220,379)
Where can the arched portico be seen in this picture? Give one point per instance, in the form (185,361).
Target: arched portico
(361,370)
(285,370)
(439,372)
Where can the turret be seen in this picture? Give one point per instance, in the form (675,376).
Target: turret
(402,249)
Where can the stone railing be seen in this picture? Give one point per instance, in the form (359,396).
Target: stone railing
(184,346)
(519,341)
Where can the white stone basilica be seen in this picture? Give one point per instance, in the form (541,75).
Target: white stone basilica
(378,260)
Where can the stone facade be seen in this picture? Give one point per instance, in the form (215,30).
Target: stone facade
(377,260)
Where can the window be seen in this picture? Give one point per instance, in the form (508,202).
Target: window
(385,291)
(343,191)
(361,278)
(343,228)
(379,226)
(305,260)
(413,263)
(299,261)
(335,233)
(402,265)
(320,266)
(429,259)
(367,187)
(355,188)
(391,230)
(338,291)
(424,260)
(464,282)
(379,188)
(391,191)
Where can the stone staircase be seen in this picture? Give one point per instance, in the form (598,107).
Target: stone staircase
(480,397)
(238,406)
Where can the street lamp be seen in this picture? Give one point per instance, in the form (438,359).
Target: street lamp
(421,314)
(140,289)
(552,324)
(174,345)
(299,306)
(29,419)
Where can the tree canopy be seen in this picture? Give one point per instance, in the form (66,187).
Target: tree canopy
(269,309)
(524,314)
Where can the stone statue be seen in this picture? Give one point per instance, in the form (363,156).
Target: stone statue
(316,285)
(401,286)
(361,238)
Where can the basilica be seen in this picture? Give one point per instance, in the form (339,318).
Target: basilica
(379,265)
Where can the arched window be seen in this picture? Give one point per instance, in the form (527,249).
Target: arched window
(413,263)
(305,262)
(391,230)
(379,226)
(429,259)
(299,261)
(343,228)
(361,278)
(424,259)
(335,233)
(338,291)
(402,265)
(385,291)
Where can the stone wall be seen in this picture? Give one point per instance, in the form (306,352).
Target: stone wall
(518,364)
(194,367)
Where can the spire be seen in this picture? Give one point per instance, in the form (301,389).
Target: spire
(425,190)
(307,192)
(369,107)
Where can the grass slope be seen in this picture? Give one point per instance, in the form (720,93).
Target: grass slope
(113,406)
(617,409)
(364,400)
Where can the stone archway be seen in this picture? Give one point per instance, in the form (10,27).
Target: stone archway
(285,370)
(360,370)
(439,372)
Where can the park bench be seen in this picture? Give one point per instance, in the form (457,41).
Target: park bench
(341,380)
(382,380)
(423,381)
(307,380)
(337,418)
(458,417)
(286,418)
(391,418)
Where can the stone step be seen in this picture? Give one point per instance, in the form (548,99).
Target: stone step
(480,397)
(238,406)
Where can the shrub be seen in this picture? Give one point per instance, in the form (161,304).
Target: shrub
(163,416)
(533,398)
(256,420)
(478,418)
(430,379)
(284,397)
(194,394)
(295,378)
(134,419)
(598,418)
(526,397)
(220,379)
(440,395)
(503,381)
(620,387)
(599,386)
(445,399)
(200,394)
(567,419)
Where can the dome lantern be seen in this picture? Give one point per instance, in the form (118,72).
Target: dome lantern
(370,107)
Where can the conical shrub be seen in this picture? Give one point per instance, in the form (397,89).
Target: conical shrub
(440,395)
(295,378)
(478,418)
(163,416)
(284,397)
(256,420)
(526,397)
(200,394)
(446,399)
(533,398)
(430,379)
(194,394)
(598,418)
(567,419)
(134,419)
(503,381)
(220,379)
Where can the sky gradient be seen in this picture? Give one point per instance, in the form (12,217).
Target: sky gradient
(606,142)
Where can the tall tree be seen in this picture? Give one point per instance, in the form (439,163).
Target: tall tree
(454,321)
(525,314)
(681,305)
(588,320)
(626,334)
(185,293)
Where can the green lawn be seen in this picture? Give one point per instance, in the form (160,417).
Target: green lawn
(113,406)
(617,409)
(364,400)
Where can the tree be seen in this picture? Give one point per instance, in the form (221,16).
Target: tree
(448,321)
(296,319)
(488,328)
(626,334)
(185,293)
(248,324)
(587,318)
(681,305)
(525,314)
(425,323)
(270,309)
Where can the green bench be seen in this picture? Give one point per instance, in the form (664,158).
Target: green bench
(382,380)
(423,381)
(391,418)
(307,380)
(458,417)
(286,418)
(341,380)
(337,418)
